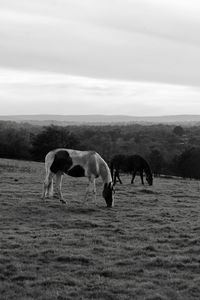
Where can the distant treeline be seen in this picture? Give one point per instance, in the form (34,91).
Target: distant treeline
(169,149)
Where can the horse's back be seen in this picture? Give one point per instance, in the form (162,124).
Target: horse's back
(136,160)
(73,162)
(118,160)
(127,163)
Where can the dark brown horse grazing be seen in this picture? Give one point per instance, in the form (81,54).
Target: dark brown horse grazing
(130,164)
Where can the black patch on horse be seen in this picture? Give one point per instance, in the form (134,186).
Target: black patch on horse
(76,171)
(62,162)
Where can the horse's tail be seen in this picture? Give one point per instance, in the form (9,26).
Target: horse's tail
(48,182)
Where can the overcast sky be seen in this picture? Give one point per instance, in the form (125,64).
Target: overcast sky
(133,57)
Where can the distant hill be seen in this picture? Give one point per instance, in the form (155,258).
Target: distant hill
(101,119)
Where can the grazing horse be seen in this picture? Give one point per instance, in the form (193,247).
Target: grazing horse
(130,164)
(77,164)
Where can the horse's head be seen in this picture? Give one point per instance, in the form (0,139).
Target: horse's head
(149,179)
(108,194)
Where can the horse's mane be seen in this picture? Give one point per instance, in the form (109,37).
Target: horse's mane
(104,169)
(118,159)
(147,168)
(143,162)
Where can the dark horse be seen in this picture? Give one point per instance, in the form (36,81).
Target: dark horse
(130,164)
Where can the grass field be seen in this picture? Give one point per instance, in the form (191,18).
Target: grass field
(146,247)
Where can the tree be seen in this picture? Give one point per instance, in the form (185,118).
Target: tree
(178,130)
(50,138)
(15,143)
(156,161)
(188,163)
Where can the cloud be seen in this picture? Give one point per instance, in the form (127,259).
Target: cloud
(36,92)
(130,40)
(138,57)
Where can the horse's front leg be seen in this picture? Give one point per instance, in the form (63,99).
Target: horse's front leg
(91,188)
(133,176)
(141,176)
(87,193)
(59,177)
(94,192)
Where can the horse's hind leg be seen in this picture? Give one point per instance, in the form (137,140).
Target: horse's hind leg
(94,191)
(117,177)
(48,186)
(59,177)
(114,178)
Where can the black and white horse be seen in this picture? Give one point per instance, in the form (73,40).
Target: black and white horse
(77,164)
(130,164)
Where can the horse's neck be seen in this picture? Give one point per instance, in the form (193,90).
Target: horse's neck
(104,171)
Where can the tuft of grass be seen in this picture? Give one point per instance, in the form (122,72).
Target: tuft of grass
(80,260)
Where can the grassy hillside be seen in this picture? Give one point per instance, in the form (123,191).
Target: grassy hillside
(146,247)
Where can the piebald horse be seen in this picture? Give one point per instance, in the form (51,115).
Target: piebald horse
(130,164)
(77,164)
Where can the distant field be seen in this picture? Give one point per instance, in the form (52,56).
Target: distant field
(146,247)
